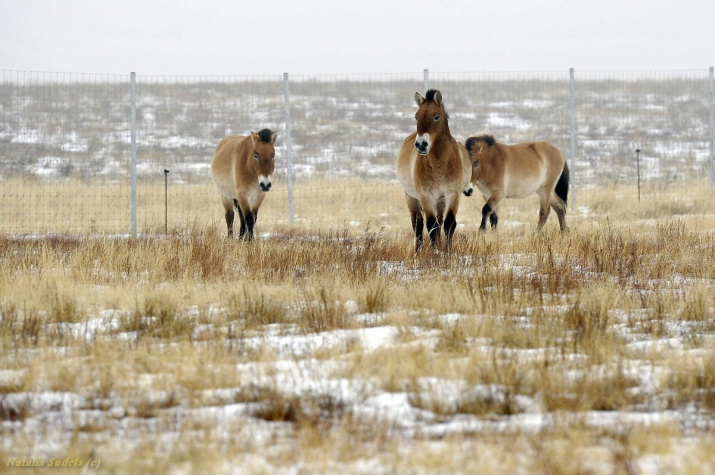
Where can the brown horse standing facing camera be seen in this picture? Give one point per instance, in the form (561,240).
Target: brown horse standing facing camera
(242,170)
(433,169)
(516,171)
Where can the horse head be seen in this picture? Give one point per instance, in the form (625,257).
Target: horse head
(264,154)
(431,121)
(477,147)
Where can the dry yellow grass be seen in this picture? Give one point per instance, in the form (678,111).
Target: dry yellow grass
(328,346)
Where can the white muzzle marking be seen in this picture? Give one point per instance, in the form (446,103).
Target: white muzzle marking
(468,190)
(265,183)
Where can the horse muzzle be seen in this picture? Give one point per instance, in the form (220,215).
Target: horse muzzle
(422,144)
(265,184)
(468,190)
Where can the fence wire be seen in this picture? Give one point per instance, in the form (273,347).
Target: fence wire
(65,139)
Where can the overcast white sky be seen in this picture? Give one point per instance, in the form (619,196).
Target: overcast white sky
(206,37)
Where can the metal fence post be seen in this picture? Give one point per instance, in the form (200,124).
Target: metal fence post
(133,99)
(572,109)
(166,201)
(712,128)
(638,170)
(288,148)
(426,76)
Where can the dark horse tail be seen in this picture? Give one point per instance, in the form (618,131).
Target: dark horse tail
(562,186)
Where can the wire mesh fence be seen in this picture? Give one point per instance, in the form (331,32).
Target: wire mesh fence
(65,139)
(663,113)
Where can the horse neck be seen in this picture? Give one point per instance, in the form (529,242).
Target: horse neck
(445,141)
(447,133)
(488,157)
(246,159)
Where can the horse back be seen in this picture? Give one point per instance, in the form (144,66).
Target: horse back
(538,163)
(533,158)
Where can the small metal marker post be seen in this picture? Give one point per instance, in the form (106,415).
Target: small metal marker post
(638,167)
(166,201)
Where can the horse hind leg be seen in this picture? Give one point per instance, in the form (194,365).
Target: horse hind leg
(560,208)
(544,209)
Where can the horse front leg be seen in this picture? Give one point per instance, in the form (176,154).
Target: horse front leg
(242,231)
(433,227)
(250,218)
(228,214)
(450,225)
(229,222)
(493,219)
(432,220)
(418,224)
(417,220)
(489,212)
(252,215)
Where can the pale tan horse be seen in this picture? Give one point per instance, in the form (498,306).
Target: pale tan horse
(433,169)
(242,170)
(515,171)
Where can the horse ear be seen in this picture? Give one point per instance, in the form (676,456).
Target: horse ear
(254,138)
(274,136)
(438,98)
(419,99)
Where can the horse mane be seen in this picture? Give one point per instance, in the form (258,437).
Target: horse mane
(472,141)
(265,135)
(430,95)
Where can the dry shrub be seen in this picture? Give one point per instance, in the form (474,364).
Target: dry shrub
(375,297)
(692,382)
(61,306)
(14,409)
(272,405)
(321,311)
(252,308)
(158,315)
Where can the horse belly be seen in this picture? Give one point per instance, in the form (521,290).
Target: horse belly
(222,166)
(406,171)
(223,180)
(524,187)
(226,188)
